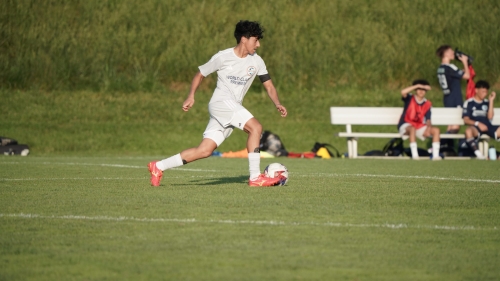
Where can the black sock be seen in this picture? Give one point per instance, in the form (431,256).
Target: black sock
(471,143)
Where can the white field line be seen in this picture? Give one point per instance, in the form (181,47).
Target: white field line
(249,222)
(103,165)
(399,176)
(101,178)
(221,171)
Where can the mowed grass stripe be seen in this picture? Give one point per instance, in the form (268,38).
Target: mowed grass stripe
(251,222)
(291,174)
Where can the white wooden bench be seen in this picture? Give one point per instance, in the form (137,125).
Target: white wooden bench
(349,116)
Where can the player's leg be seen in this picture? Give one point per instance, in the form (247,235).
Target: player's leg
(156,168)
(453,129)
(471,133)
(436,143)
(204,150)
(254,130)
(213,136)
(411,132)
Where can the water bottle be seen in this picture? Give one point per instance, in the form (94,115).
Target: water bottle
(492,152)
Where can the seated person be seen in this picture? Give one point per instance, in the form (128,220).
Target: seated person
(416,118)
(478,112)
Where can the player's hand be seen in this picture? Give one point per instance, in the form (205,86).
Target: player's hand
(492,96)
(188,103)
(427,132)
(282,110)
(482,127)
(464,59)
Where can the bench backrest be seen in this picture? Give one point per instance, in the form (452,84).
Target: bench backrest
(391,115)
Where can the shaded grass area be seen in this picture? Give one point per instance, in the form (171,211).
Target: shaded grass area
(89,123)
(329,220)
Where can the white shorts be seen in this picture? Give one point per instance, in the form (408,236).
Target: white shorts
(224,117)
(419,133)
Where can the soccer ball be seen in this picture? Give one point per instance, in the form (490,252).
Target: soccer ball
(274,170)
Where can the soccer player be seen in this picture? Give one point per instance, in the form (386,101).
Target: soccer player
(236,68)
(478,111)
(449,77)
(416,118)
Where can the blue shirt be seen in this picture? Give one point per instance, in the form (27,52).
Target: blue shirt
(477,111)
(449,77)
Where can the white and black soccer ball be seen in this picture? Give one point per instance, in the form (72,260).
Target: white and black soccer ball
(274,170)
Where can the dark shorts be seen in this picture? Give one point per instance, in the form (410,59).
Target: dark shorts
(490,132)
(453,101)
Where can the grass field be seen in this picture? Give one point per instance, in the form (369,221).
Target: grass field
(97,218)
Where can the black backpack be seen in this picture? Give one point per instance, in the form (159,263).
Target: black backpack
(272,144)
(10,146)
(394,147)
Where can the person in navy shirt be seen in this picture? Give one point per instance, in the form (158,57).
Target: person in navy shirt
(477,113)
(449,76)
(416,118)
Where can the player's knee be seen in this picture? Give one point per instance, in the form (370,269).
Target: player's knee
(468,132)
(204,152)
(254,127)
(435,131)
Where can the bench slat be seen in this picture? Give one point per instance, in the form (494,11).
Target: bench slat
(390,116)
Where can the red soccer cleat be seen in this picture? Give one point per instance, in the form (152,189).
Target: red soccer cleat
(156,174)
(262,180)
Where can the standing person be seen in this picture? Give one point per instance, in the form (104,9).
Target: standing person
(449,77)
(236,68)
(478,112)
(416,118)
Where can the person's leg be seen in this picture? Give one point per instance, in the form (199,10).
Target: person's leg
(435,142)
(471,133)
(204,150)
(156,168)
(411,132)
(254,130)
(453,129)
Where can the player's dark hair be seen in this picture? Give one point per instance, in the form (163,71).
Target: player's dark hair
(481,84)
(421,82)
(440,51)
(248,29)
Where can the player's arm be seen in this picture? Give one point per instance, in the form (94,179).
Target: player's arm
(491,110)
(428,123)
(468,121)
(407,90)
(482,127)
(189,102)
(273,95)
(465,61)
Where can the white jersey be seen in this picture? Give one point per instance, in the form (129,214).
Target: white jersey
(234,74)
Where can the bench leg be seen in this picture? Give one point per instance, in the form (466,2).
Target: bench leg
(483,147)
(349,148)
(354,148)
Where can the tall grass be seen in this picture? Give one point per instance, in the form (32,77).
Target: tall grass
(155,45)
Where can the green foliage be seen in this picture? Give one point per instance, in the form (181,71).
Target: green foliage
(153,45)
(98,219)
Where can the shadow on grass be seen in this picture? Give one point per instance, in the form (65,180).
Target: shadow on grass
(216,181)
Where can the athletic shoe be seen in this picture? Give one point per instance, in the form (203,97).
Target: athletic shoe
(156,174)
(262,180)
